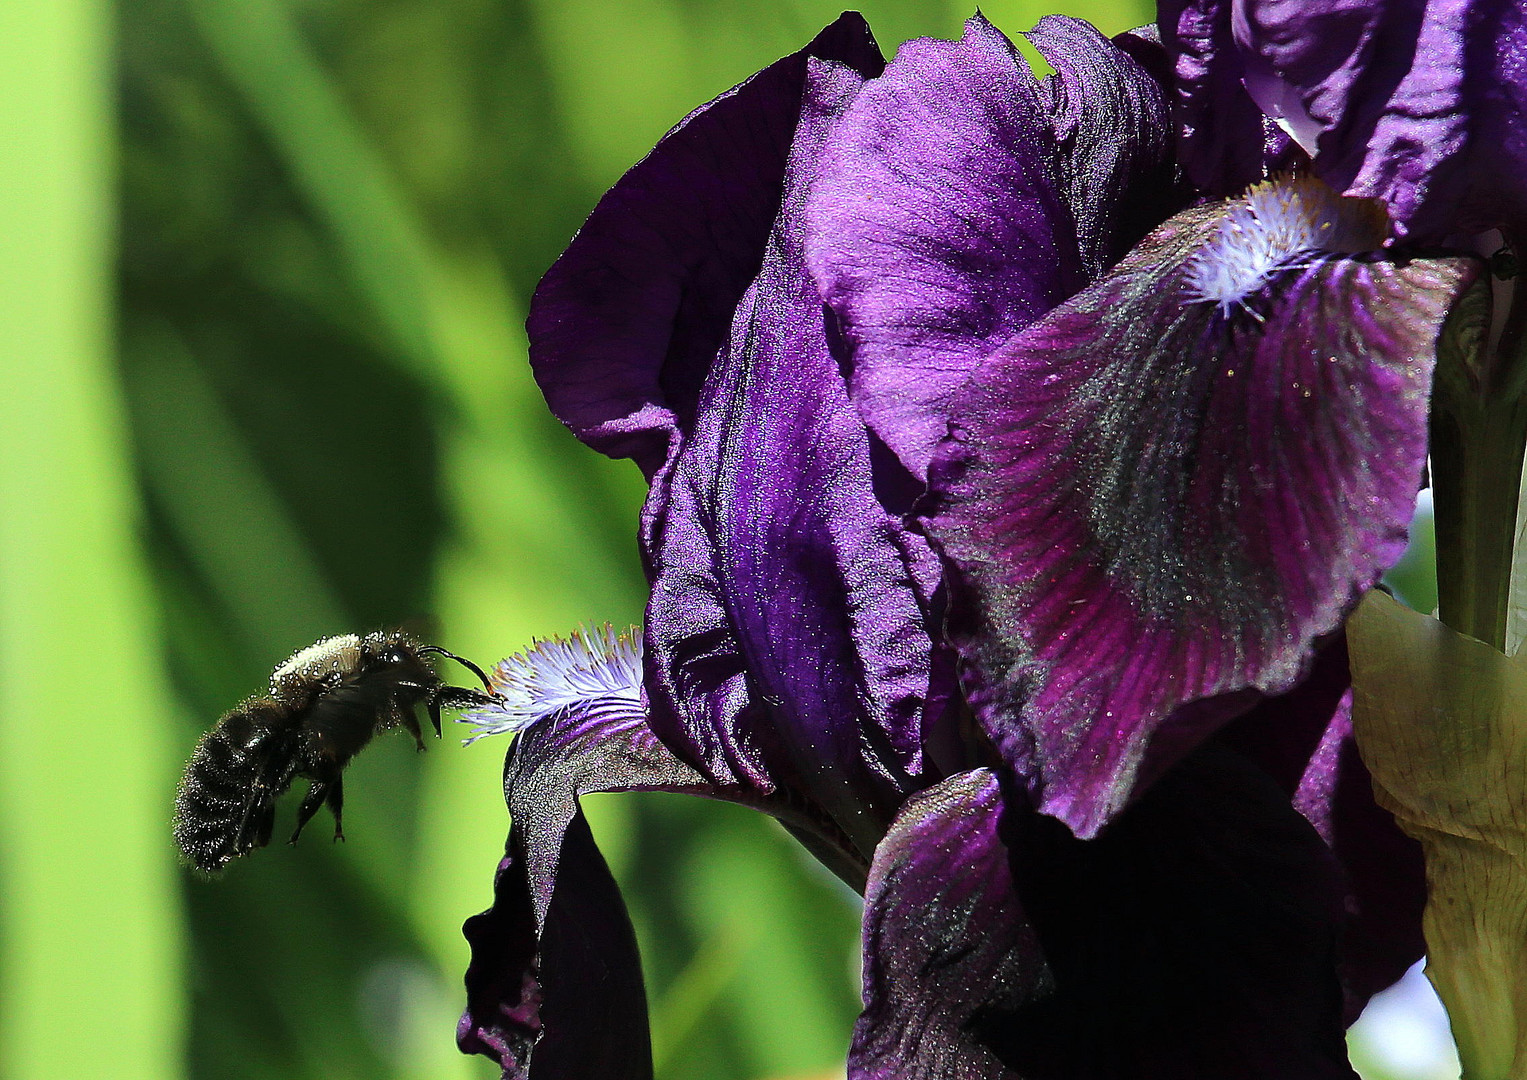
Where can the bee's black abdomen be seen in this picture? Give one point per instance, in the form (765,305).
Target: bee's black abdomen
(326,702)
(226,802)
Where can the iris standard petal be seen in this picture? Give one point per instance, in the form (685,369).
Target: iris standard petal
(787,633)
(1110,125)
(938,227)
(1420,104)
(1220,127)
(624,325)
(1175,483)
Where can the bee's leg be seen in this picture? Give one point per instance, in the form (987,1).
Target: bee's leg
(463,697)
(403,716)
(336,800)
(259,818)
(434,712)
(317,791)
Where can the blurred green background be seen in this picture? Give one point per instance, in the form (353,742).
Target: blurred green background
(265,264)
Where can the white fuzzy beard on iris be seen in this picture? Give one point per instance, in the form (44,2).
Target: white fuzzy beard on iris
(1281,224)
(595,669)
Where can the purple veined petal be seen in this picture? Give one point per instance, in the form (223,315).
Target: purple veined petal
(624,325)
(937,227)
(554,988)
(946,941)
(1303,739)
(788,644)
(1194,939)
(555,980)
(1177,482)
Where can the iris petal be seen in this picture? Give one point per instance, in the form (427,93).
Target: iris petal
(1420,104)
(555,976)
(555,980)
(1303,739)
(1152,499)
(945,939)
(788,641)
(938,227)
(624,325)
(1193,939)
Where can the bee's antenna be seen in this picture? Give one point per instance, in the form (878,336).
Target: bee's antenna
(463,661)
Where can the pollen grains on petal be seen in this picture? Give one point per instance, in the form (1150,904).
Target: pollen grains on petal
(595,669)
(1278,225)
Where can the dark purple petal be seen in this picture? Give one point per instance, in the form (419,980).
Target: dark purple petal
(1223,143)
(624,325)
(1154,498)
(1110,123)
(1498,161)
(1303,739)
(555,979)
(1420,104)
(946,941)
(787,640)
(563,991)
(938,227)
(1194,939)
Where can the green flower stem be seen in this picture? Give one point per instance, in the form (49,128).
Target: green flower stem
(1479,430)
(1451,773)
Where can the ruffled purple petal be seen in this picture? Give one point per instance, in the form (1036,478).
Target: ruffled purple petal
(1303,739)
(946,941)
(1420,104)
(555,979)
(624,326)
(1194,939)
(938,227)
(1110,124)
(1219,125)
(563,991)
(787,636)
(1173,485)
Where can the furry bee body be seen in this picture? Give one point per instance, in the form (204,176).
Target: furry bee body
(325,704)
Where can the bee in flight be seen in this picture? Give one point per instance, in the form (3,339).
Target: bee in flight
(324,705)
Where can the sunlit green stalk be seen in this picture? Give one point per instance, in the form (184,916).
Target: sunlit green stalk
(1477,892)
(1479,429)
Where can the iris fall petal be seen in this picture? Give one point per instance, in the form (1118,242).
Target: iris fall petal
(1154,498)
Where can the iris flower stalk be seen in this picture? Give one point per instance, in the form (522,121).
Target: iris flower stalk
(1017,452)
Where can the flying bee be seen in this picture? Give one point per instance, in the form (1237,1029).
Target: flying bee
(324,705)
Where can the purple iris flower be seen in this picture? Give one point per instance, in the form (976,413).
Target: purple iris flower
(1421,104)
(1006,500)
